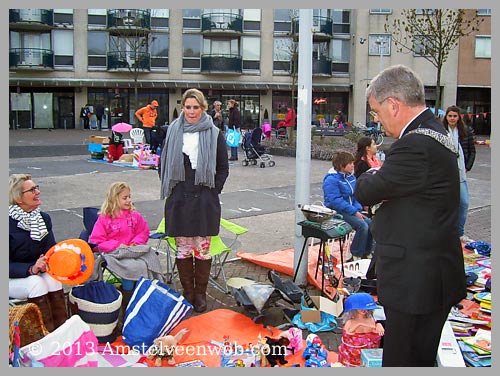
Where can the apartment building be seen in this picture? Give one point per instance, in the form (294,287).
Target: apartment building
(61,60)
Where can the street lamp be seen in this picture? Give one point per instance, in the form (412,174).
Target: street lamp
(381,42)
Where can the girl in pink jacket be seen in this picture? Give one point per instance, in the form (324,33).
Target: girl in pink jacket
(118,223)
(118,229)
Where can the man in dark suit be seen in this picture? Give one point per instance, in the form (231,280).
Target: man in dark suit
(420,266)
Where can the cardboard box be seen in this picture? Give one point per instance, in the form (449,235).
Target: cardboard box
(98,139)
(324,305)
(371,358)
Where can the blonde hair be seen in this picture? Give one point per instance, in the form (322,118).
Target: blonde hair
(196,94)
(111,205)
(16,187)
(234,102)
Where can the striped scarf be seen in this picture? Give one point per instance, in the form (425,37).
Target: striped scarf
(29,221)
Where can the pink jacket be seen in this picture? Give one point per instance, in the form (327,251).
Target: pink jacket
(129,228)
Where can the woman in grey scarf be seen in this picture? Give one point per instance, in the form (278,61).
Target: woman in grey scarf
(194,168)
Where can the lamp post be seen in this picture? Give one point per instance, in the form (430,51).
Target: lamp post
(381,42)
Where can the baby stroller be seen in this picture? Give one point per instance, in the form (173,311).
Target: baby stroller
(255,150)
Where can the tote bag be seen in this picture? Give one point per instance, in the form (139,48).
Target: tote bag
(233,137)
(153,311)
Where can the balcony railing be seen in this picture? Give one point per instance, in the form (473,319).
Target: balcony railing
(32,17)
(221,63)
(322,66)
(221,23)
(31,57)
(322,27)
(128,60)
(129,19)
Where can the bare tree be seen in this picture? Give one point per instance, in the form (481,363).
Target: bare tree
(432,34)
(130,44)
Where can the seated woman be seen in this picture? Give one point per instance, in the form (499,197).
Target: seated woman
(30,237)
(338,192)
(122,234)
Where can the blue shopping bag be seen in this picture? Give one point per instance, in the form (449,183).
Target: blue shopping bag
(233,137)
(153,311)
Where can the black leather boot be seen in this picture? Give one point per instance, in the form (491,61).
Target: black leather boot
(201,276)
(186,275)
(58,306)
(44,305)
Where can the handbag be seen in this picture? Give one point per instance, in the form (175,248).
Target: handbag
(153,311)
(233,137)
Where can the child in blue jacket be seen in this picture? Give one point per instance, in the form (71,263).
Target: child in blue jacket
(338,191)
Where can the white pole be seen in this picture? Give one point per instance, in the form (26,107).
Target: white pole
(303,155)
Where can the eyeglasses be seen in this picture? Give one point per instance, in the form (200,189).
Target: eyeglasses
(32,189)
(192,107)
(373,114)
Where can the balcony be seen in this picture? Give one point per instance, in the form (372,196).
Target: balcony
(129,22)
(31,58)
(322,67)
(125,60)
(221,63)
(216,24)
(322,28)
(31,19)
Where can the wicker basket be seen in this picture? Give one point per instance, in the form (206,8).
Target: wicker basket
(31,326)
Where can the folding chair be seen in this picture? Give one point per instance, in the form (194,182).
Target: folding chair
(219,251)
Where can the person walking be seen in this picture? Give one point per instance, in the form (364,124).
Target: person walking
(463,139)
(147,115)
(99,113)
(234,121)
(218,116)
(194,168)
(419,258)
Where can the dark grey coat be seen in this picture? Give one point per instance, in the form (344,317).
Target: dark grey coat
(194,210)
(420,265)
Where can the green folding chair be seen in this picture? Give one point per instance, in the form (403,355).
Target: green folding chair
(219,250)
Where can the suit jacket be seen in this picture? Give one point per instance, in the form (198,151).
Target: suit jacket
(420,266)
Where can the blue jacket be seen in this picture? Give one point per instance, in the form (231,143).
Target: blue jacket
(338,192)
(24,251)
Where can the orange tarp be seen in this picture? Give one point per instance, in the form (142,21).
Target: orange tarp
(282,262)
(213,326)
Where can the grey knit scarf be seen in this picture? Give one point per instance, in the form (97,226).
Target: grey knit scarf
(172,159)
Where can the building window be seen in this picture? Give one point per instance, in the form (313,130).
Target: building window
(159,50)
(381,11)
(97,17)
(421,46)
(483,47)
(191,19)
(97,44)
(63,48)
(63,17)
(283,20)
(379,44)
(425,11)
(484,12)
(251,53)
(159,18)
(341,21)
(283,54)
(251,19)
(191,51)
(341,52)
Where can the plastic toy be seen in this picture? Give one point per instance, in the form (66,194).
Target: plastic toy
(315,353)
